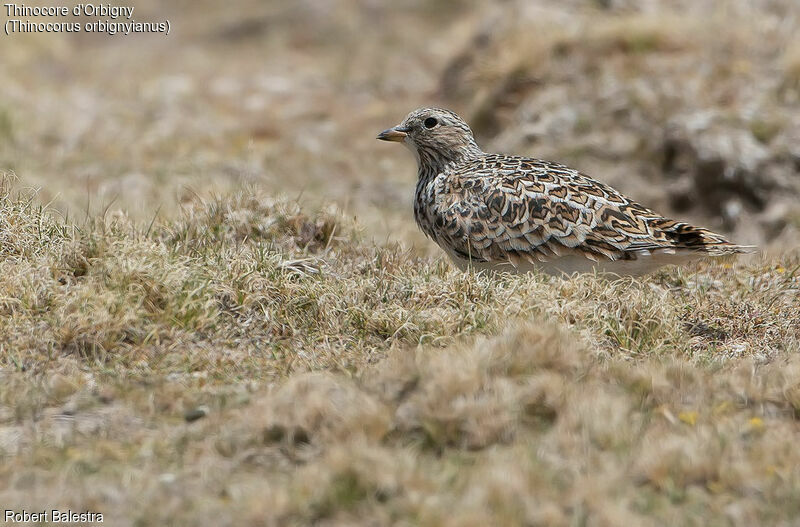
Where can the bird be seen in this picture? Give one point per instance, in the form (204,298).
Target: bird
(519,214)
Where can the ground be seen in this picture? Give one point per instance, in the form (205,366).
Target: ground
(214,302)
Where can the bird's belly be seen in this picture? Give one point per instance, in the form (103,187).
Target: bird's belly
(568,265)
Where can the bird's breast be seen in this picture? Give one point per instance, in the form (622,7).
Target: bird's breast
(424,205)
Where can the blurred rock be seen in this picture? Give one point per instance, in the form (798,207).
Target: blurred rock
(693,120)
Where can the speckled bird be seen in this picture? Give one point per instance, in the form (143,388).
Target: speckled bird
(518,214)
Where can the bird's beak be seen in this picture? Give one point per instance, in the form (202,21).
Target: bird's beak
(398,134)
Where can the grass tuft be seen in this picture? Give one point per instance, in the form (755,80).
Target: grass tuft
(250,345)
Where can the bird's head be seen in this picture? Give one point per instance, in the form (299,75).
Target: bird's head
(435,136)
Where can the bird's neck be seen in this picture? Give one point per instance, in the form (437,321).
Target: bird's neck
(433,162)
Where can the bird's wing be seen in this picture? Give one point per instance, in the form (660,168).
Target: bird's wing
(503,209)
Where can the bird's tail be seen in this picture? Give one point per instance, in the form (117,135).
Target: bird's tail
(697,239)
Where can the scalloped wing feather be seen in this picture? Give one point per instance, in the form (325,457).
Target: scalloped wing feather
(507,210)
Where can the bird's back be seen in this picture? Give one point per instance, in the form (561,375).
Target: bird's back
(517,213)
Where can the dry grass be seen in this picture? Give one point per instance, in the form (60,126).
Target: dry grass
(215,303)
(255,363)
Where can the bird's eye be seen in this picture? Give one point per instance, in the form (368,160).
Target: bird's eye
(430,122)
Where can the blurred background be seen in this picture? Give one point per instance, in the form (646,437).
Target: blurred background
(691,107)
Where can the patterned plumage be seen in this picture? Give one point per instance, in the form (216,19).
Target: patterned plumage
(492,211)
